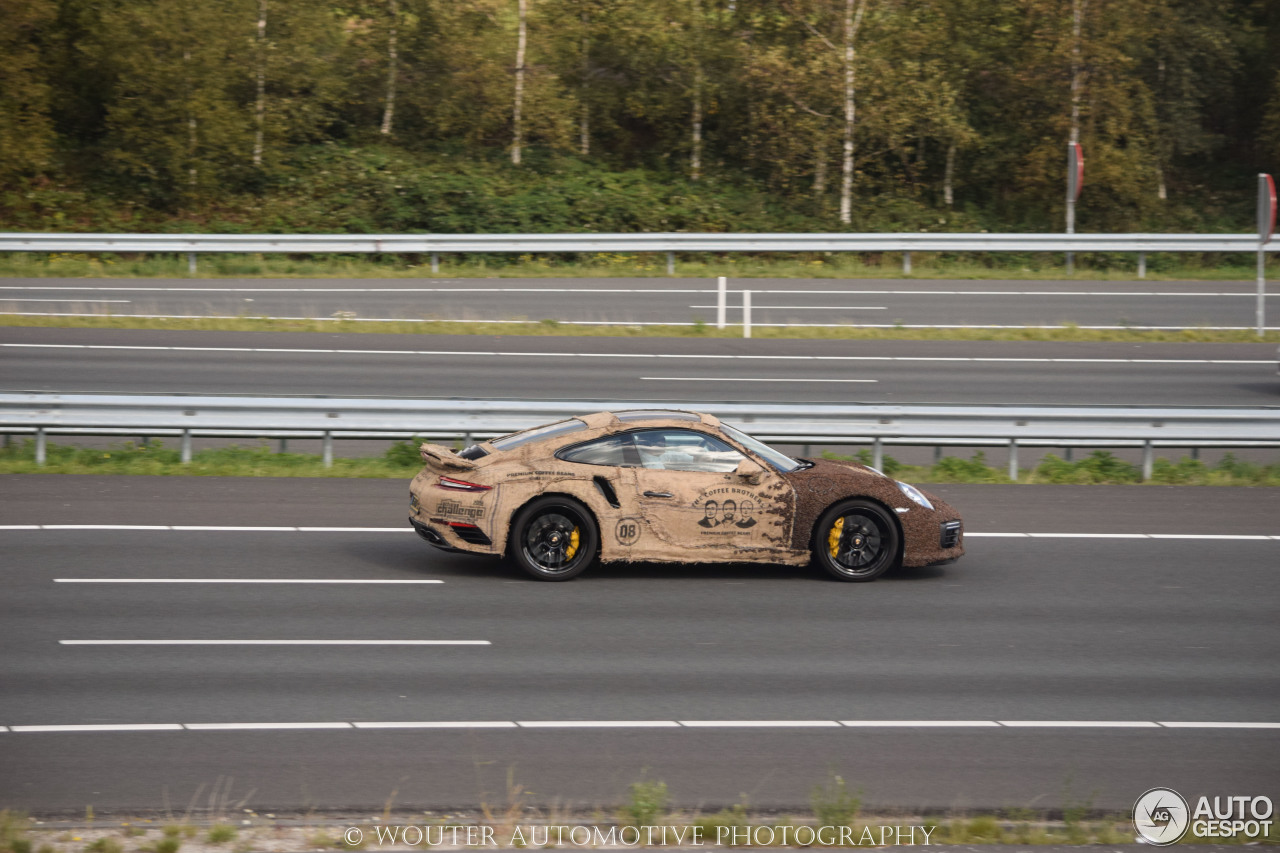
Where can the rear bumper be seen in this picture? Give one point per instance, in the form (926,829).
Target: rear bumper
(433,536)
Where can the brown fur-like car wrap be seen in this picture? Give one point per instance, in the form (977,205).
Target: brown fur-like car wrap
(827,483)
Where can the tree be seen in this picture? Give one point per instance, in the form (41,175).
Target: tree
(26,130)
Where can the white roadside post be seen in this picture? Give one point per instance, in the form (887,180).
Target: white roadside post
(746,313)
(1075,180)
(1266,225)
(721,297)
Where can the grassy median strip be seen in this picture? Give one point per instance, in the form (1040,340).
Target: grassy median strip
(401,461)
(696,328)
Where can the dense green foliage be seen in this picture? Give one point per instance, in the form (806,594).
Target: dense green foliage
(635,115)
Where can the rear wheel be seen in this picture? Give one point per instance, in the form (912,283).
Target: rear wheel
(553,539)
(856,540)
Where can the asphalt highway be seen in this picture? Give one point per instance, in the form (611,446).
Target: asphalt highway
(803,302)
(1058,666)
(685,370)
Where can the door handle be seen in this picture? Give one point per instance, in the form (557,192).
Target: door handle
(658,495)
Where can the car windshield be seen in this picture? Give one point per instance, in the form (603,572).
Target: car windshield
(784,463)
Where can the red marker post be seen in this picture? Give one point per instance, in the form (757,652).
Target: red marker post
(1075,182)
(1266,227)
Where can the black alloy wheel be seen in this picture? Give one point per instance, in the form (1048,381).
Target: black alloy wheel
(857,540)
(553,539)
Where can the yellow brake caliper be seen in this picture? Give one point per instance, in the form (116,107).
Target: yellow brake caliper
(573,545)
(833,538)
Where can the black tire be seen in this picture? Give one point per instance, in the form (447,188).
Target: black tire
(542,539)
(857,540)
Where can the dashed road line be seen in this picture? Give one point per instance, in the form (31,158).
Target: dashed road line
(639,724)
(274,643)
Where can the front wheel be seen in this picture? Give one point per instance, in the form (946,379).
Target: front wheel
(553,539)
(856,540)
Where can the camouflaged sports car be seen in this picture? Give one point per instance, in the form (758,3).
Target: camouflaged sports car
(676,487)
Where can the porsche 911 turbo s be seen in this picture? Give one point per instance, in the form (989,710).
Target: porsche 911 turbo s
(672,487)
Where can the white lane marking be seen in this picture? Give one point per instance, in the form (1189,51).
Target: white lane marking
(736,379)
(122,727)
(1078,724)
(967,533)
(95,301)
(491,724)
(941,724)
(700,724)
(195,528)
(274,643)
(790,724)
(698,356)
(1224,536)
(238,580)
(598,724)
(1122,328)
(214,727)
(660,290)
(1168,725)
(809,307)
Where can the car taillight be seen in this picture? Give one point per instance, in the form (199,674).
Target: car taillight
(462,485)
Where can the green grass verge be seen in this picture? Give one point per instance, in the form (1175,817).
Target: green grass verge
(1090,266)
(697,329)
(401,461)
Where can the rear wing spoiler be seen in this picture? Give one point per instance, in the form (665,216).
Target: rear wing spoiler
(440,458)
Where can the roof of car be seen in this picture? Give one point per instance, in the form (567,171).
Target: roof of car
(653,417)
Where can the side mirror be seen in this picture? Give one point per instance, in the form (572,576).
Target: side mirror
(750,472)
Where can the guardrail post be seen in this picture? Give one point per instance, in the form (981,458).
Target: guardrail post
(721,299)
(191,262)
(937,454)
(877,453)
(906,263)
(746,313)
(328,449)
(1262,291)
(435,263)
(671,263)
(1148,460)
(186,447)
(1013,459)
(1142,265)
(282,446)
(40,446)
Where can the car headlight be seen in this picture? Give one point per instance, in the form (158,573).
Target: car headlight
(914,493)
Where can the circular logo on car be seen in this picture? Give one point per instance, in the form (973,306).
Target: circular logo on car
(1161,817)
(627,531)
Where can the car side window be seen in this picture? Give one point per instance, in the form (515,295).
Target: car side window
(661,449)
(616,450)
(684,450)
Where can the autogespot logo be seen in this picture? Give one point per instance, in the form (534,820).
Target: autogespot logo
(1160,816)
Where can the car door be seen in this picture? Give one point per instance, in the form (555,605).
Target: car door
(699,494)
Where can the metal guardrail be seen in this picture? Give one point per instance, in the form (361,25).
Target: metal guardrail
(670,243)
(804,424)
(422,243)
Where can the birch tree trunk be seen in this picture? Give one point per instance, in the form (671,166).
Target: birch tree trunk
(820,169)
(522,8)
(695,160)
(852,21)
(584,118)
(193,173)
(260,109)
(1077,76)
(948,175)
(388,114)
